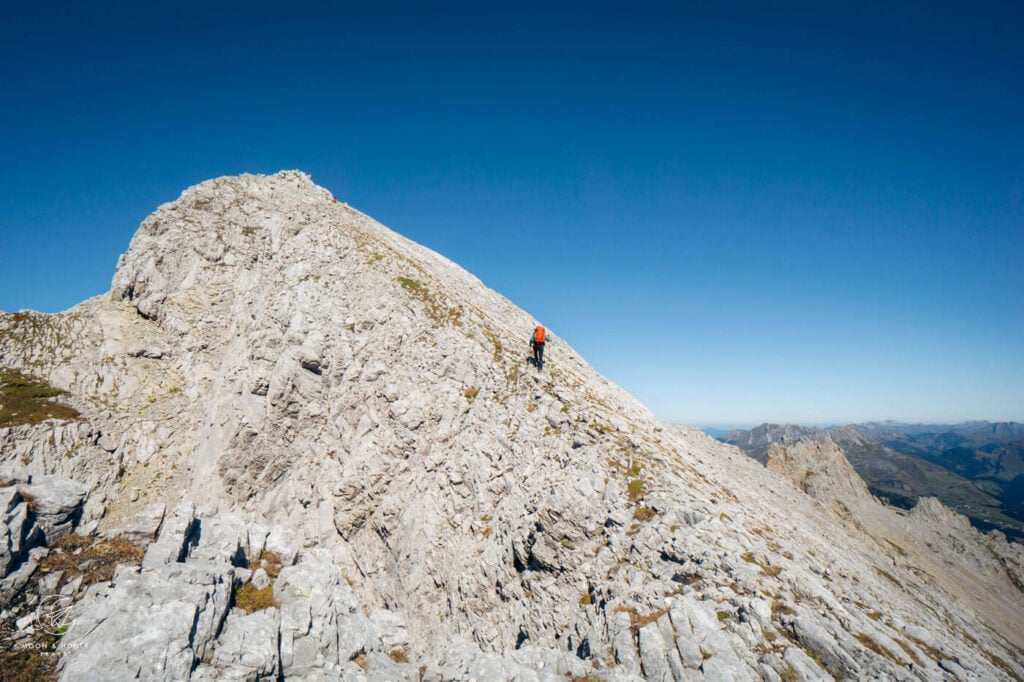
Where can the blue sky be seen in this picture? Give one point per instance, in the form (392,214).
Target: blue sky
(783,211)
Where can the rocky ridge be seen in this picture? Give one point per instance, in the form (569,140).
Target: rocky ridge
(376,485)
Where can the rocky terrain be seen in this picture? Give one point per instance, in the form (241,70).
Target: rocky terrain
(290,443)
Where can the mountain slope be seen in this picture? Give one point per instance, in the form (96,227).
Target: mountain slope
(901,478)
(338,400)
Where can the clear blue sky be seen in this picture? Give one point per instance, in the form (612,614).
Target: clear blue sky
(786,211)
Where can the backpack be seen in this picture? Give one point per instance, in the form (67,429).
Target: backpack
(538,334)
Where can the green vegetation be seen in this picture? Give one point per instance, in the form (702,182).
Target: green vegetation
(25,399)
(723,615)
(635,489)
(410,284)
(470,393)
(251,599)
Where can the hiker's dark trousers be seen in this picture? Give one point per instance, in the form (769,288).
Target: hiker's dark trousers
(538,354)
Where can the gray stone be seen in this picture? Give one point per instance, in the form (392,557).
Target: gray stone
(260,579)
(333,393)
(247,648)
(165,619)
(653,657)
(145,526)
(54,502)
(176,537)
(954,669)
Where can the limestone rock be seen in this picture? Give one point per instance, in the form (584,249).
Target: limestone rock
(320,399)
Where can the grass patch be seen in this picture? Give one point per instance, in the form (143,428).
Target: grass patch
(28,665)
(636,489)
(723,616)
(644,514)
(870,644)
(889,577)
(586,599)
(94,561)
(25,399)
(909,651)
(782,608)
(638,620)
(399,656)
(410,284)
(470,392)
(270,562)
(249,598)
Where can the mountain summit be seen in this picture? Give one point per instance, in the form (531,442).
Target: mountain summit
(336,463)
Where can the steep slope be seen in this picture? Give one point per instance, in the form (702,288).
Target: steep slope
(940,544)
(351,420)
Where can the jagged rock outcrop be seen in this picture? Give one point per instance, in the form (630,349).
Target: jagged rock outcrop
(33,512)
(369,464)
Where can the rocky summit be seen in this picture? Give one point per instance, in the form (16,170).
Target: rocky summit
(291,444)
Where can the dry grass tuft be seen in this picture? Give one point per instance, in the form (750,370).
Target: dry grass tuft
(644,514)
(250,599)
(94,560)
(270,562)
(638,620)
(27,665)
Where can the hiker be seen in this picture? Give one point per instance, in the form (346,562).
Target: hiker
(540,337)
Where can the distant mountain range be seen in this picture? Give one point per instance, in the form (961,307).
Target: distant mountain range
(976,467)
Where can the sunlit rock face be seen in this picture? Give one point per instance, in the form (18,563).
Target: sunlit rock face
(330,445)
